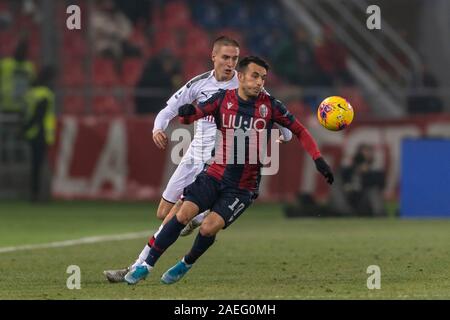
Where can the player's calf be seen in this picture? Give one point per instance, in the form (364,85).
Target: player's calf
(193,224)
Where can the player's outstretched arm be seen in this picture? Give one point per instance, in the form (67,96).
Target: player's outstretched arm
(283,117)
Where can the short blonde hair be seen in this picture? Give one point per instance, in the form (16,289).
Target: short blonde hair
(225,41)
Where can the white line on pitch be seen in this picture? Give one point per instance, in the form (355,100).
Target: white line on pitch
(86,240)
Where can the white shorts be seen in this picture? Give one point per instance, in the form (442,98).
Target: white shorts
(191,165)
(183,176)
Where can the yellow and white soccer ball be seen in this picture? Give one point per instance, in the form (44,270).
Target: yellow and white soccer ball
(335,113)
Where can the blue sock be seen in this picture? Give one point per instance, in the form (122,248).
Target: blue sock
(201,244)
(168,235)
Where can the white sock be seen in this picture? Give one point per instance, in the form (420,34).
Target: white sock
(142,256)
(200,217)
(144,253)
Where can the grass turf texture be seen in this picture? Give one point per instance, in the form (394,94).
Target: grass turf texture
(261,256)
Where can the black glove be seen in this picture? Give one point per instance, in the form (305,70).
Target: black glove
(324,169)
(186,110)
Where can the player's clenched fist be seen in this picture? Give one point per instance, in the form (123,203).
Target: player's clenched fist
(160,139)
(324,169)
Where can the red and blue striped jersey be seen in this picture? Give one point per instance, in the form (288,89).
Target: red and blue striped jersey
(252,120)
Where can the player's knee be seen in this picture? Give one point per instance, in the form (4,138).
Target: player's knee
(183,217)
(186,212)
(211,227)
(160,215)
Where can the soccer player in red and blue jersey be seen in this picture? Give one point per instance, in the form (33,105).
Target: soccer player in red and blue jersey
(227,187)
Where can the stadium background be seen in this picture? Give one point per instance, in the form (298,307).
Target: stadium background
(116,73)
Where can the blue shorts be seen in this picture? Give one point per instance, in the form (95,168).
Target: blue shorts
(208,193)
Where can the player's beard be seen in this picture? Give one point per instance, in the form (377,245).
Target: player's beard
(255,92)
(252,92)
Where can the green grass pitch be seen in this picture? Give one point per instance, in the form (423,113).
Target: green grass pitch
(261,256)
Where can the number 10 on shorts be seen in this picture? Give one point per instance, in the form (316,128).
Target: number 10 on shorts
(235,210)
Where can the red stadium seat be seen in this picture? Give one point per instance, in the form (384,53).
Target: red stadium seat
(166,40)
(104,73)
(131,71)
(194,67)
(106,106)
(195,34)
(74,44)
(8,40)
(202,45)
(74,105)
(177,16)
(73,75)
(25,22)
(129,103)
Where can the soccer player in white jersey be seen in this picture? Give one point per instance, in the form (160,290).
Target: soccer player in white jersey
(225,55)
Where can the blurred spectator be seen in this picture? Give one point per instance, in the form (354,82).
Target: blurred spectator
(39,129)
(16,75)
(31,8)
(161,73)
(305,206)
(295,60)
(357,191)
(5,19)
(331,57)
(111,29)
(135,10)
(425,102)
(362,185)
(207,14)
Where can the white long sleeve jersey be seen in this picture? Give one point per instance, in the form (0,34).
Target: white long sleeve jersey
(199,89)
